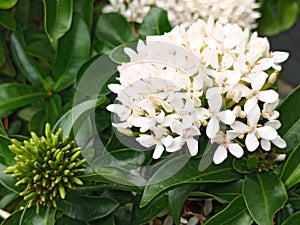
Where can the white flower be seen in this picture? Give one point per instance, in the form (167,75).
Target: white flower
(242,12)
(253,130)
(269,111)
(225,143)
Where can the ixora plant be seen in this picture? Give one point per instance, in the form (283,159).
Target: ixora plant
(110,122)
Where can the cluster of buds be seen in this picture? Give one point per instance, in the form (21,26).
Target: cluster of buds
(206,77)
(46,167)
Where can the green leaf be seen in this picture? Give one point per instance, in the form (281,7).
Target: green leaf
(87,208)
(73,52)
(53,108)
(4,150)
(13,96)
(176,198)
(2,129)
(85,9)
(13,219)
(268,25)
(289,115)
(144,215)
(2,53)
(293,220)
(264,195)
(41,49)
(7,4)
(287,13)
(113,29)
(234,214)
(165,177)
(7,181)
(290,174)
(57,17)
(37,122)
(155,23)
(7,20)
(46,216)
(25,63)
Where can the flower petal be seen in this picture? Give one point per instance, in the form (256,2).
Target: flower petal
(251,142)
(212,127)
(240,127)
(227,117)
(159,149)
(192,145)
(279,142)
(143,122)
(220,154)
(267,132)
(215,103)
(122,111)
(236,150)
(253,116)
(176,144)
(146,140)
(280,57)
(265,144)
(268,96)
(250,103)
(187,121)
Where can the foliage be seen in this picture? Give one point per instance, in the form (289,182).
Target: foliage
(46,48)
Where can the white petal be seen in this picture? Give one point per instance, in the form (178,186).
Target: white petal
(250,103)
(258,80)
(265,144)
(276,124)
(176,127)
(176,144)
(279,142)
(215,103)
(227,117)
(115,88)
(212,127)
(167,141)
(192,146)
(159,149)
(251,142)
(220,154)
(187,121)
(231,134)
(193,221)
(253,116)
(122,111)
(236,150)
(211,92)
(169,119)
(268,96)
(267,132)
(240,127)
(143,122)
(269,107)
(280,57)
(146,140)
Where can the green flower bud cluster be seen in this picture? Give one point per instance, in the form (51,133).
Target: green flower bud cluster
(46,166)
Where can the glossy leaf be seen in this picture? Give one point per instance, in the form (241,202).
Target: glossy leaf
(289,115)
(292,220)
(264,195)
(53,108)
(235,213)
(7,155)
(73,52)
(267,23)
(165,177)
(87,208)
(7,4)
(113,29)
(7,181)
(14,95)
(13,219)
(57,17)
(37,122)
(144,215)
(176,199)
(7,20)
(41,49)
(287,13)
(290,174)
(46,216)
(85,8)
(155,23)
(25,63)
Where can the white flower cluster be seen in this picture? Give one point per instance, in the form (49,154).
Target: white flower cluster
(207,77)
(243,12)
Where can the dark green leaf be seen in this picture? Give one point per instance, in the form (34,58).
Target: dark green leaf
(268,25)
(7,20)
(42,50)
(2,54)
(289,115)
(290,174)
(73,52)
(13,96)
(46,216)
(118,55)
(144,215)
(176,198)
(87,208)
(53,109)
(37,122)
(2,129)
(25,63)
(293,220)
(170,174)
(113,29)
(234,214)
(85,9)
(155,23)
(7,4)
(57,17)
(4,150)
(14,218)
(7,181)
(264,195)
(287,13)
